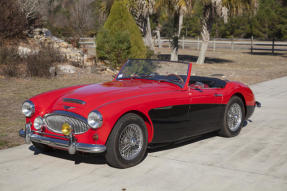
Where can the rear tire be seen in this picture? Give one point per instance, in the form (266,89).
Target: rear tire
(42,148)
(127,144)
(234,117)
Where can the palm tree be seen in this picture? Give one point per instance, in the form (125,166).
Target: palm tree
(178,8)
(141,10)
(223,8)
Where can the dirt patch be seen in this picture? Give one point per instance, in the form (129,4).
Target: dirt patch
(239,66)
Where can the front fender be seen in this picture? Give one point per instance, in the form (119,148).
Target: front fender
(234,88)
(141,105)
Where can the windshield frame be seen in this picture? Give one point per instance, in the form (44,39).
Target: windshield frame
(184,86)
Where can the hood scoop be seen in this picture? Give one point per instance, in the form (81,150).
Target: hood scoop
(72,100)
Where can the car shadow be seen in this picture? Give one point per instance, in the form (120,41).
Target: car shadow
(167,146)
(99,159)
(190,58)
(77,158)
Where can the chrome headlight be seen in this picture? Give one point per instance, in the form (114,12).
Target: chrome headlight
(28,108)
(38,123)
(95,119)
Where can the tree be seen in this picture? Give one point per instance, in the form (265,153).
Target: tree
(141,10)
(119,23)
(80,16)
(177,8)
(223,8)
(272,19)
(30,9)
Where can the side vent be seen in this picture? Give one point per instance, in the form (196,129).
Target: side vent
(71,100)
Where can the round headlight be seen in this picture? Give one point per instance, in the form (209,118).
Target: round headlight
(95,119)
(28,108)
(38,123)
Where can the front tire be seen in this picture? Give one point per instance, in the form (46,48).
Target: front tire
(234,116)
(127,144)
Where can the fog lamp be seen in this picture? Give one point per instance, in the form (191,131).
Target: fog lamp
(66,129)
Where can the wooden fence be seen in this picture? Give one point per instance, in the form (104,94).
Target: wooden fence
(252,45)
(88,42)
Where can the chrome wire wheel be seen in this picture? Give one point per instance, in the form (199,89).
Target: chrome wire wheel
(130,141)
(234,117)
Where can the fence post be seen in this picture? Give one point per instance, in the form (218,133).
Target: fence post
(158,38)
(198,43)
(214,45)
(251,45)
(232,44)
(273,45)
(182,42)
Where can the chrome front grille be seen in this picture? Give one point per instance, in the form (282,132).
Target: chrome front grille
(55,122)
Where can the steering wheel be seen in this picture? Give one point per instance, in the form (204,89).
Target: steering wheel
(177,76)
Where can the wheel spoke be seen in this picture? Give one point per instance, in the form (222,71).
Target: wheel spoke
(234,117)
(131,141)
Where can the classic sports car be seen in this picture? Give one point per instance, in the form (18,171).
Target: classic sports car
(148,102)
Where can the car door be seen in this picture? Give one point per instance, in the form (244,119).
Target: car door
(205,110)
(171,122)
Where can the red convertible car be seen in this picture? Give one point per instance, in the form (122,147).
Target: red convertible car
(148,102)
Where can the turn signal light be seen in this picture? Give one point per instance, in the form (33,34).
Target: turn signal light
(95,137)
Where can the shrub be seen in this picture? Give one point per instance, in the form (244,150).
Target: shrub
(120,24)
(150,54)
(9,61)
(39,64)
(114,49)
(12,20)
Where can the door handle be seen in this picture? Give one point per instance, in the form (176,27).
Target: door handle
(217,95)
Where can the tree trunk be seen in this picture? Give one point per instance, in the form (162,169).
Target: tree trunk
(174,53)
(205,34)
(148,36)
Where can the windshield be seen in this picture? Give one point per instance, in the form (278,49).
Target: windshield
(173,72)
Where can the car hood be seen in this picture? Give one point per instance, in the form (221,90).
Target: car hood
(95,95)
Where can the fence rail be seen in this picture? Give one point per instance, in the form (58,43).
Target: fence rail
(88,42)
(251,44)
(232,44)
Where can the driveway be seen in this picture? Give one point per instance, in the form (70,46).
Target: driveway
(254,160)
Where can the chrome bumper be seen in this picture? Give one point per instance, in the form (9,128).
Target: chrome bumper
(70,145)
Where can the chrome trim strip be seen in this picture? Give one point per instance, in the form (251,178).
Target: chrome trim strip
(50,134)
(69,114)
(62,144)
(167,107)
(26,133)
(72,100)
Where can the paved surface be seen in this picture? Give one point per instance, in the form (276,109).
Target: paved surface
(255,160)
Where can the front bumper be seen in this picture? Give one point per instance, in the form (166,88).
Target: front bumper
(70,145)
